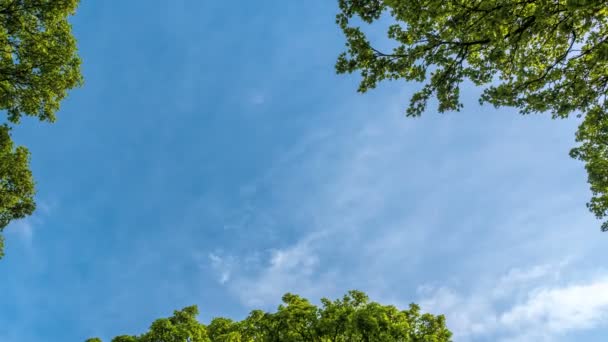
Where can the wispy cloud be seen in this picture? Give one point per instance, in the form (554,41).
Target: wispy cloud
(258,98)
(23,229)
(292,269)
(223,266)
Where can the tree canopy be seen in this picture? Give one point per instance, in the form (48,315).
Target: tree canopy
(38,61)
(534,55)
(38,65)
(350,319)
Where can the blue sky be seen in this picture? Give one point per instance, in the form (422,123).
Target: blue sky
(214,158)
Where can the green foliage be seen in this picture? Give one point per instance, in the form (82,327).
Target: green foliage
(16,182)
(534,55)
(352,319)
(178,328)
(38,65)
(593,133)
(38,57)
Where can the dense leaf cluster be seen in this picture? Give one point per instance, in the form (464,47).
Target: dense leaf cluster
(38,57)
(350,319)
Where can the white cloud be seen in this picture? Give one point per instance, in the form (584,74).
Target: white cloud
(555,310)
(533,304)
